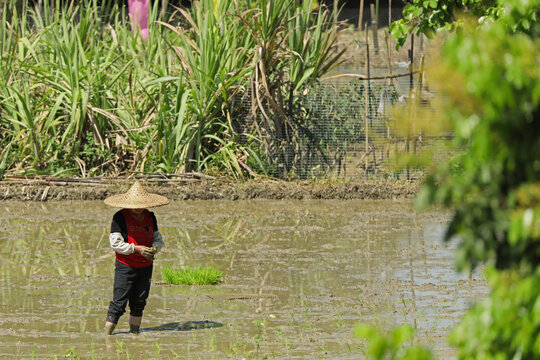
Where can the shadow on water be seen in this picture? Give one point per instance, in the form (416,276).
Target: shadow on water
(176,326)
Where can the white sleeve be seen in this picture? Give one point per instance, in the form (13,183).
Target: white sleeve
(119,245)
(157,240)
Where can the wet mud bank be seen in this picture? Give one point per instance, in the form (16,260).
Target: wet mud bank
(43,190)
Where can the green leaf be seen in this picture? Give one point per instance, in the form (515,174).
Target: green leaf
(430,3)
(365,331)
(307,74)
(402,334)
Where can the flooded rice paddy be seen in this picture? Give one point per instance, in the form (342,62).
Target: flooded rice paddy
(298,276)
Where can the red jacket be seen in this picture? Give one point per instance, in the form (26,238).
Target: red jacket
(138,233)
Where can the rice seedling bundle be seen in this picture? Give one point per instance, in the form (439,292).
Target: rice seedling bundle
(192,276)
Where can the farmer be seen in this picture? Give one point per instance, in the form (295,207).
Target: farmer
(136,239)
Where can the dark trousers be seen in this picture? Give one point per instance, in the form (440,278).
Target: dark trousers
(130,284)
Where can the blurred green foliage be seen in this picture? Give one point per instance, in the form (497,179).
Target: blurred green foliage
(506,325)
(490,75)
(494,98)
(429,17)
(396,345)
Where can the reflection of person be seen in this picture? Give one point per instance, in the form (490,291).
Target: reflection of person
(138,11)
(136,239)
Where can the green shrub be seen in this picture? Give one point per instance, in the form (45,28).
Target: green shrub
(192,276)
(493,187)
(507,324)
(398,345)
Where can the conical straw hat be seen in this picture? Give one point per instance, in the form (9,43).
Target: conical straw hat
(136,198)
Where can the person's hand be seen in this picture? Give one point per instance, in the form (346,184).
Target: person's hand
(144,251)
(153,250)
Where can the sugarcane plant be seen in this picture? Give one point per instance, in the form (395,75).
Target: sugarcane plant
(83,94)
(295,46)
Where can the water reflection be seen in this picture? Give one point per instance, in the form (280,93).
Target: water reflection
(298,276)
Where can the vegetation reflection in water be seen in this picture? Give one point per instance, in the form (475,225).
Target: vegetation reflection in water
(298,276)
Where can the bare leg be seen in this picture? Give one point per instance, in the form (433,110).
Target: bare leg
(109,327)
(134,324)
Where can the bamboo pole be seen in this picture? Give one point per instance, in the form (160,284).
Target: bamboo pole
(420,84)
(411,61)
(361,15)
(374,28)
(336,7)
(418,97)
(411,85)
(366,90)
(388,62)
(390,82)
(389,13)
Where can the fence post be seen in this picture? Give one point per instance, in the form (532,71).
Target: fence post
(411,84)
(389,13)
(361,15)
(411,63)
(419,86)
(390,80)
(366,90)
(374,28)
(389,83)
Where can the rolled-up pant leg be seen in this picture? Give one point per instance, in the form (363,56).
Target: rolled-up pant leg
(140,292)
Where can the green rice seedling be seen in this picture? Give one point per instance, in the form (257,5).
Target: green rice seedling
(192,276)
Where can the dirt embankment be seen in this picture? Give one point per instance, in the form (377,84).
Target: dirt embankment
(205,189)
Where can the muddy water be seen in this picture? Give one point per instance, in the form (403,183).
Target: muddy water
(298,276)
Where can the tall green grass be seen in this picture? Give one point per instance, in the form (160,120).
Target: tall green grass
(80,94)
(192,276)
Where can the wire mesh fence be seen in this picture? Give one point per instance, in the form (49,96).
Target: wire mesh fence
(346,129)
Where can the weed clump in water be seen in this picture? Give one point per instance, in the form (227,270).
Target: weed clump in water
(192,276)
